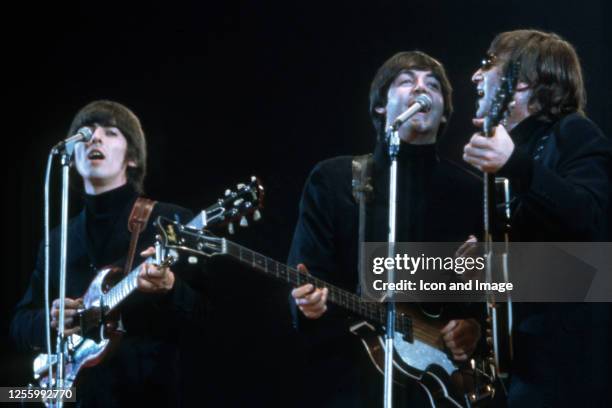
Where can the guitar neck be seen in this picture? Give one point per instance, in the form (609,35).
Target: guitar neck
(498,111)
(246,198)
(122,289)
(127,285)
(374,312)
(489,207)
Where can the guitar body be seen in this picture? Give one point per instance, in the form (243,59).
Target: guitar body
(98,337)
(442,382)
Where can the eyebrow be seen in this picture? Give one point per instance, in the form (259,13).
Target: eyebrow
(411,73)
(109,126)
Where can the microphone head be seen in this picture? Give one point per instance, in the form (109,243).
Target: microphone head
(86,133)
(425,102)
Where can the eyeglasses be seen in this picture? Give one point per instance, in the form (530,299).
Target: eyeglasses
(488,61)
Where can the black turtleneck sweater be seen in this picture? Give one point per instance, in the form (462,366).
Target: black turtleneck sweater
(102,214)
(144,367)
(438,201)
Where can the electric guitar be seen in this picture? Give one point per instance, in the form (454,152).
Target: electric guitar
(420,354)
(497,226)
(99,334)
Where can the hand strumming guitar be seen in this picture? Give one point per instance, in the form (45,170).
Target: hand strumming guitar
(461,337)
(71,307)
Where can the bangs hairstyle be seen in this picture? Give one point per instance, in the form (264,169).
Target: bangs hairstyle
(394,66)
(113,114)
(549,65)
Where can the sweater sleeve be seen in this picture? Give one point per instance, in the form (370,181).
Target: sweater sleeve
(27,327)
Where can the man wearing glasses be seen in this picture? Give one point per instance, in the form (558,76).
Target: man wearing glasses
(559,165)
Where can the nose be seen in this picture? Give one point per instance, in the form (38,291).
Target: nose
(420,86)
(477,76)
(97,134)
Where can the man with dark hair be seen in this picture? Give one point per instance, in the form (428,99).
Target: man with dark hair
(390,70)
(559,165)
(433,200)
(113,114)
(144,368)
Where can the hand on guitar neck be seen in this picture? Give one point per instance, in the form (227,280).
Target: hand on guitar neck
(488,154)
(310,300)
(153,278)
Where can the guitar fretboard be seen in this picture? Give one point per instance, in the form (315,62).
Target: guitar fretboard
(374,312)
(122,289)
(214,214)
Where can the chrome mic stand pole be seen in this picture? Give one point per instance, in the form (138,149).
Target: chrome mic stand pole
(47,270)
(66,155)
(393,144)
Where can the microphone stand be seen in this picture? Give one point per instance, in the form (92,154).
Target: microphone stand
(393,142)
(47,260)
(65,151)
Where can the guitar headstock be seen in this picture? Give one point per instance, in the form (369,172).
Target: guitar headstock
(176,236)
(239,204)
(502,98)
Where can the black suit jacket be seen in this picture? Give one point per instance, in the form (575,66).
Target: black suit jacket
(561,174)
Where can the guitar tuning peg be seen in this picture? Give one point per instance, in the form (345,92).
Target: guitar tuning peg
(230,228)
(256,215)
(228,192)
(240,186)
(244,222)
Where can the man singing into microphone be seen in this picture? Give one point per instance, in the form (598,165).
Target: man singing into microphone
(560,165)
(433,205)
(143,370)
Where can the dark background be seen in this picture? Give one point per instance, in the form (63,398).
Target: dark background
(226,90)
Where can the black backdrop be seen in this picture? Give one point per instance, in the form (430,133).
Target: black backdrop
(226,90)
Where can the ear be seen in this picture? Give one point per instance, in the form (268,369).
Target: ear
(443,119)
(380,110)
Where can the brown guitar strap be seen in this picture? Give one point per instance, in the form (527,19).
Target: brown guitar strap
(136,224)
(362,193)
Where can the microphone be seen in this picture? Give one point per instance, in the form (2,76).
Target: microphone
(84,134)
(422,103)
